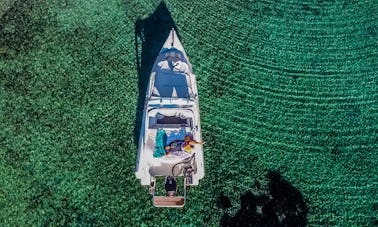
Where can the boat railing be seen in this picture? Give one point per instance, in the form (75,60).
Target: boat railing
(150,86)
(194,85)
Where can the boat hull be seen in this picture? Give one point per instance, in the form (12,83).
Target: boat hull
(171,108)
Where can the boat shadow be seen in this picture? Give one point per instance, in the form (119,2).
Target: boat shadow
(280,205)
(150,35)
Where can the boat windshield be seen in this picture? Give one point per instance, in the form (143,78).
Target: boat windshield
(170,122)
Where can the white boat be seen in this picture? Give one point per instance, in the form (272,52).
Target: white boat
(171,117)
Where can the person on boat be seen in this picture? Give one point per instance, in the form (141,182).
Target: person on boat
(173,147)
(189,143)
(170,186)
(167,150)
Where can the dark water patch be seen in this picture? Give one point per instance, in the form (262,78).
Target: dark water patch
(348,4)
(18,80)
(24,112)
(257,185)
(281,204)
(90,48)
(263,9)
(356,160)
(79,45)
(335,152)
(316,12)
(65,4)
(65,212)
(15,158)
(223,201)
(15,116)
(60,209)
(305,7)
(330,143)
(375,206)
(23,27)
(353,113)
(371,31)
(92,62)
(38,192)
(314,64)
(374,221)
(150,35)
(217,87)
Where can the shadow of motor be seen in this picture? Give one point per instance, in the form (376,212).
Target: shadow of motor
(150,35)
(280,205)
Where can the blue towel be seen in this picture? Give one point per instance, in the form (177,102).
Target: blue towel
(160,141)
(176,135)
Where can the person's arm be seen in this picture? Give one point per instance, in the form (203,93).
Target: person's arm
(195,142)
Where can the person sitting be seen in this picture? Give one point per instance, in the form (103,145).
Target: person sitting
(189,143)
(173,147)
(168,150)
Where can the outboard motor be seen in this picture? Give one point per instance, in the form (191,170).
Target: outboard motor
(170,186)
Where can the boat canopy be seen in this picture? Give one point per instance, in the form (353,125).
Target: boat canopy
(171,84)
(171,76)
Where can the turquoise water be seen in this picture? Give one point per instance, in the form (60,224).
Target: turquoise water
(286,88)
